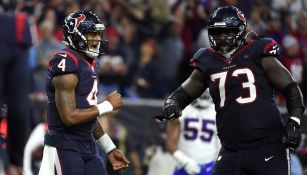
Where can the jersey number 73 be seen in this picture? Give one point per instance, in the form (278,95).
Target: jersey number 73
(221,77)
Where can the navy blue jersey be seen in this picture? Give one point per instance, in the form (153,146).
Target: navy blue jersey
(69,61)
(243,97)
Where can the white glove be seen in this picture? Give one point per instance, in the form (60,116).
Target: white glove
(189,164)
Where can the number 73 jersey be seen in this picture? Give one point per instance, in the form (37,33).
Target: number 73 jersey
(244,99)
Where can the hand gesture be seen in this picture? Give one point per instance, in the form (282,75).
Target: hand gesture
(115,99)
(171,111)
(118,160)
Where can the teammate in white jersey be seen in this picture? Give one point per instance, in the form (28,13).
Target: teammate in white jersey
(192,139)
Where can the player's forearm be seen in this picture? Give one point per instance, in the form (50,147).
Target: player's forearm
(171,147)
(79,116)
(192,88)
(98,130)
(103,138)
(173,132)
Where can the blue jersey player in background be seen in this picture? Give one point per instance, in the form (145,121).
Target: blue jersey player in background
(242,77)
(73,112)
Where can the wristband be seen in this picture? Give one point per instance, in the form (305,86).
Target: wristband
(104,107)
(180,157)
(106,143)
(296,119)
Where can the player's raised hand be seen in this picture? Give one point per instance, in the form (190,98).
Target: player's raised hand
(293,134)
(118,160)
(115,99)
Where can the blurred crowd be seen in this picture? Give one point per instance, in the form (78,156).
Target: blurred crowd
(150,42)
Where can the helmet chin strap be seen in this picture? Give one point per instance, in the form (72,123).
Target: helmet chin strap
(93,53)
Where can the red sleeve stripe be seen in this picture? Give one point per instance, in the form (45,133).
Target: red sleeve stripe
(268,46)
(20,21)
(69,54)
(73,57)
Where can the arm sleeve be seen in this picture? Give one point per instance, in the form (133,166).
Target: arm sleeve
(63,63)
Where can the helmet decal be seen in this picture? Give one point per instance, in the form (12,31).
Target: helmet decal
(77,25)
(73,24)
(79,19)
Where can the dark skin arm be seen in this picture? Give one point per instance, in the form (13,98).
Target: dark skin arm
(194,85)
(189,90)
(173,132)
(65,100)
(279,77)
(98,130)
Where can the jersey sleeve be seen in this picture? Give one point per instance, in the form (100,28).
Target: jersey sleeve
(197,60)
(63,63)
(269,47)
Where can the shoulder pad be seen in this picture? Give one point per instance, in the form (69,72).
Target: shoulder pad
(198,56)
(269,47)
(63,63)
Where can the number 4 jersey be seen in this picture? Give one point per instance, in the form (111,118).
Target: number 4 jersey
(244,99)
(198,137)
(69,61)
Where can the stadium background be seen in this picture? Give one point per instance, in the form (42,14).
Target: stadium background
(150,44)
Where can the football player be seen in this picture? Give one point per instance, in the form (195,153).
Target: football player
(242,77)
(73,112)
(193,133)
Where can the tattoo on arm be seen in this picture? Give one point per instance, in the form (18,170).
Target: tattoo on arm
(65,99)
(98,130)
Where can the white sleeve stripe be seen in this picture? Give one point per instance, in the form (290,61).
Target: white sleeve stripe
(57,164)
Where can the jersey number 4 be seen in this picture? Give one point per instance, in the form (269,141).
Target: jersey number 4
(62,65)
(250,84)
(92,96)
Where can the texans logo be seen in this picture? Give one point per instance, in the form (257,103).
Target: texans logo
(241,16)
(74,23)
